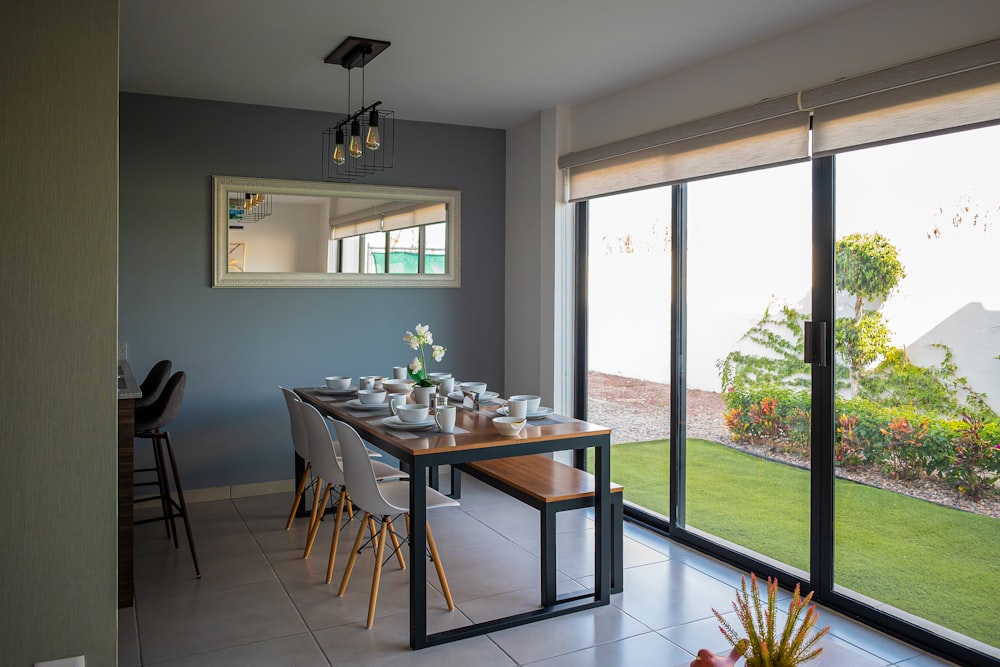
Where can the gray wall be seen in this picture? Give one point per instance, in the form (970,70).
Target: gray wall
(238,345)
(58,401)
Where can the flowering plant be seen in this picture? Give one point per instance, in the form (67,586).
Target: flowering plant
(418,368)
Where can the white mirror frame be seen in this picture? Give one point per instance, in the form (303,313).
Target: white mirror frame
(222,277)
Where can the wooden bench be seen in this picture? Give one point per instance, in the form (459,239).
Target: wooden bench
(551,487)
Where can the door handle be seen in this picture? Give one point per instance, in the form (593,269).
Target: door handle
(814,339)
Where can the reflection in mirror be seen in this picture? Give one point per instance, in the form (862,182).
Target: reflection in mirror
(272,233)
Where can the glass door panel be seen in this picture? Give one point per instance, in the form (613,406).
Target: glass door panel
(918,334)
(748,396)
(628,348)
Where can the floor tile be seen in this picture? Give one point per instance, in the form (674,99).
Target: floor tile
(488,570)
(867,639)
(671,593)
(294,651)
(566,634)
(514,602)
(646,649)
(388,643)
(925,660)
(216,618)
(575,552)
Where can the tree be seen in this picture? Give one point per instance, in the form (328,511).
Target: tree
(867,268)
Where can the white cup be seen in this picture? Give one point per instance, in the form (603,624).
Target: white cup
(440,376)
(399,372)
(447,386)
(532,401)
(396,400)
(444,417)
(367,381)
(478,387)
(517,407)
(370,396)
(411,413)
(338,382)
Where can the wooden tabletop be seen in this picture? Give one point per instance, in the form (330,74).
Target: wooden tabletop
(473,429)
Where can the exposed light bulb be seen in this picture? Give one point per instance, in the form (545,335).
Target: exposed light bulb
(338,150)
(354,146)
(372,139)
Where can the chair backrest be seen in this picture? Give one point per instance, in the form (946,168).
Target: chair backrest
(165,409)
(300,439)
(323,447)
(156,380)
(359,474)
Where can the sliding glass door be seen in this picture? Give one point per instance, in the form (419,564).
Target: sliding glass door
(918,333)
(748,396)
(628,289)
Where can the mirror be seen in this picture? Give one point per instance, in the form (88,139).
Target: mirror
(276,233)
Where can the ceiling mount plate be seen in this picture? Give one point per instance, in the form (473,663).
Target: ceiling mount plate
(356,52)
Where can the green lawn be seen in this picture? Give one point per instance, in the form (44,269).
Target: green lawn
(932,561)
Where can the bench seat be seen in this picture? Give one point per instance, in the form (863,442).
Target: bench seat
(551,487)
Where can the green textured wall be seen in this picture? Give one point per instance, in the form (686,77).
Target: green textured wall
(58,324)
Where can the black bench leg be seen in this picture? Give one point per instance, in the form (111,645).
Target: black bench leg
(617,543)
(456,483)
(547,524)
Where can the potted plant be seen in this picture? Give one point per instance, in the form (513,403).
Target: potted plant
(423,387)
(760,643)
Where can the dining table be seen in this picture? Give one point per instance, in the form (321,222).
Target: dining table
(474,438)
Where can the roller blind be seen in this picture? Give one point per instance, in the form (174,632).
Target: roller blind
(962,100)
(944,92)
(766,143)
(413,216)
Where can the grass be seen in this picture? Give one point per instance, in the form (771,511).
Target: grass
(932,561)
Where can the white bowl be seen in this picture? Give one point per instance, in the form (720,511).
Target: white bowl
(411,413)
(370,396)
(532,401)
(438,376)
(397,386)
(478,387)
(338,382)
(509,425)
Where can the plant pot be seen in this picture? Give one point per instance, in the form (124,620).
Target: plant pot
(424,395)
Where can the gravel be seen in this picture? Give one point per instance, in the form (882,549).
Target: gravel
(639,410)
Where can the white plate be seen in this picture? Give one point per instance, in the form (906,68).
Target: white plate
(396,422)
(532,414)
(336,392)
(358,405)
(485,396)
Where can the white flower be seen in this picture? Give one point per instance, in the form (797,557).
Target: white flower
(415,365)
(438,352)
(411,340)
(421,329)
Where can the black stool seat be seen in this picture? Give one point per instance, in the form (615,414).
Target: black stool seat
(150,424)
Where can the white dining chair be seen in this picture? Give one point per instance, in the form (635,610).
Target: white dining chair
(384,500)
(325,455)
(301,445)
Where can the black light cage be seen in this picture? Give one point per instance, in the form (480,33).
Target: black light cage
(370,161)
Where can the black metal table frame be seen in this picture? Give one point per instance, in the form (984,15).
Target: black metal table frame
(419,467)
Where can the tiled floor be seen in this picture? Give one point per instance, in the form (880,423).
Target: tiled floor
(259,603)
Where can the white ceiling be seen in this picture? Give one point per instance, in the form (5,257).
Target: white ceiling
(488,63)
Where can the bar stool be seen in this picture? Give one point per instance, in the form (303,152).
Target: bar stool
(152,386)
(150,423)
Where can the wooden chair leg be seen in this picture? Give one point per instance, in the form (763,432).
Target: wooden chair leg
(374,532)
(298,496)
(316,521)
(377,577)
(395,546)
(341,501)
(439,568)
(354,555)
(315,505)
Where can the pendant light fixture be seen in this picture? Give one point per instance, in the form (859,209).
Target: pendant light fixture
(362,142)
